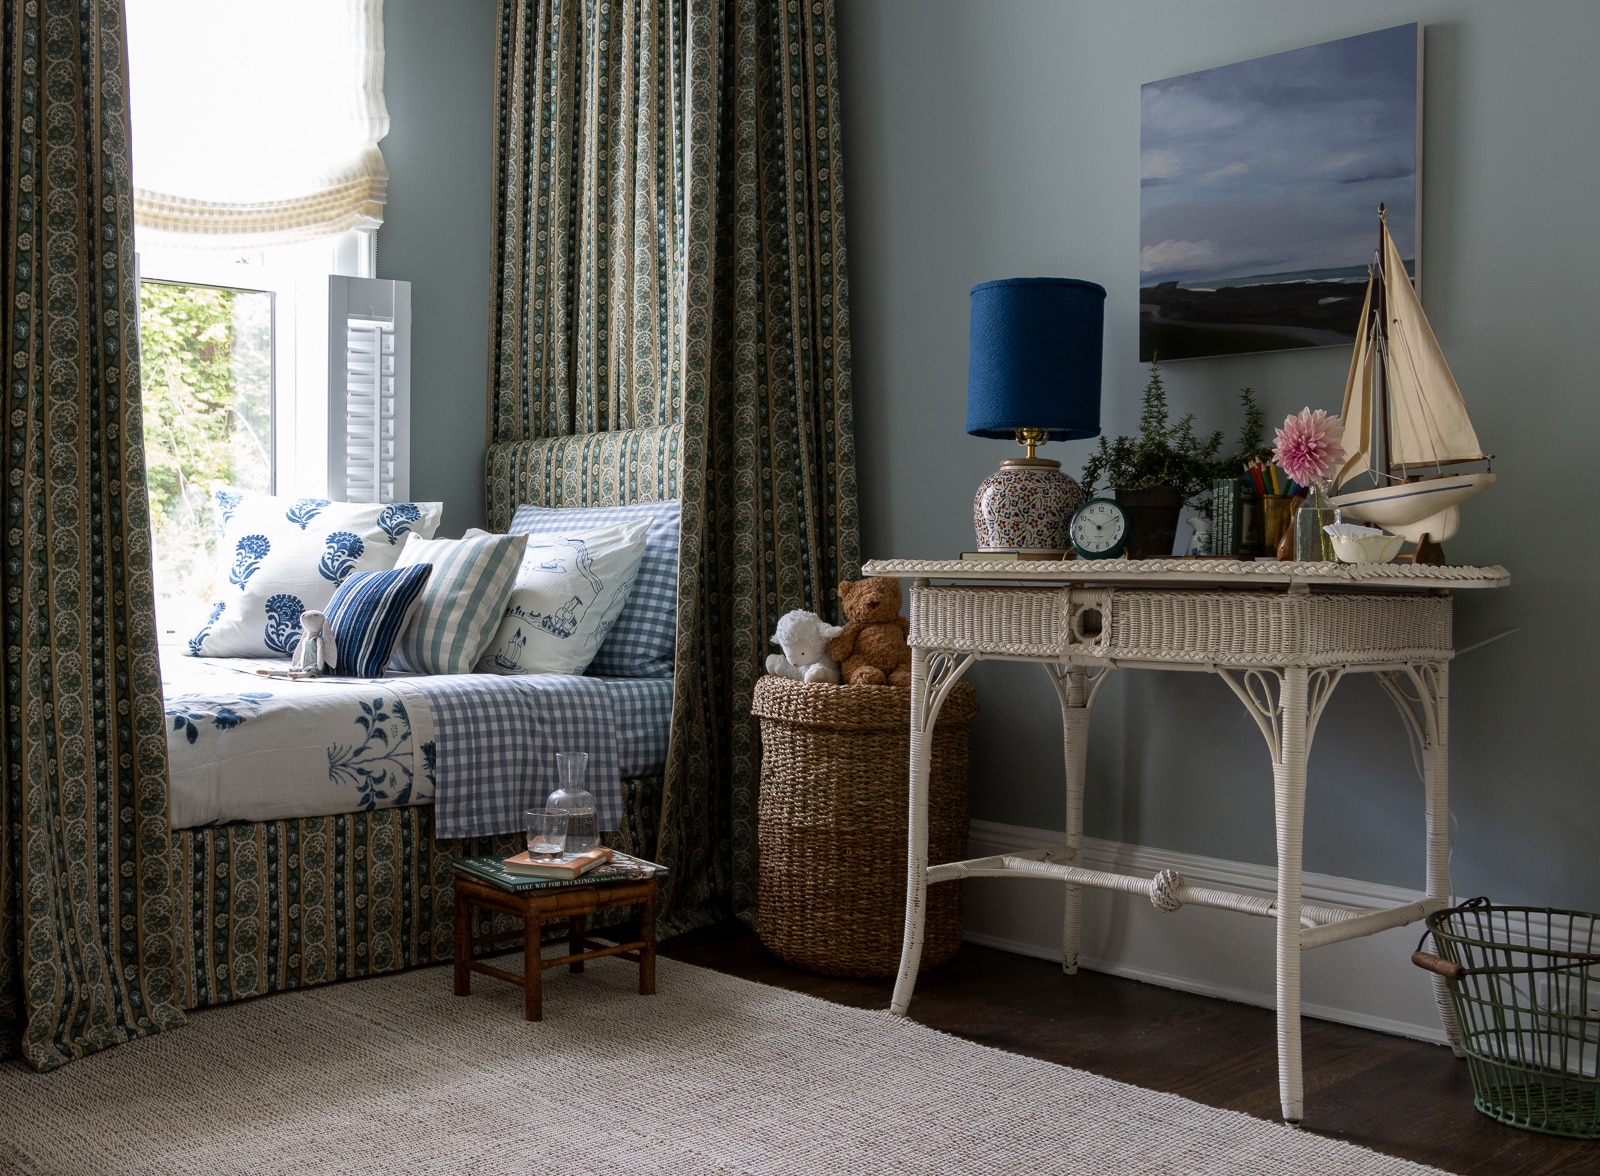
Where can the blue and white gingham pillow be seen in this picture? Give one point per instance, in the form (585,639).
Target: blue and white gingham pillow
(642,642)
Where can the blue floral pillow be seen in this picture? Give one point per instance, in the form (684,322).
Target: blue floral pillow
(278,556)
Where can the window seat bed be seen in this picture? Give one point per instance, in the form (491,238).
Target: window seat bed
(289,878)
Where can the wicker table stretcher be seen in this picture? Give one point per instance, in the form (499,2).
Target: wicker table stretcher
(1279,645)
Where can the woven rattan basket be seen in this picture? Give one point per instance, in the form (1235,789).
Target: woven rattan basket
(832,824)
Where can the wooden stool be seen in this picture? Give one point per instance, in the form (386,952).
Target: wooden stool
(574,903)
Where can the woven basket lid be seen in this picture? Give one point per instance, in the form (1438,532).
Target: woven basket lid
(862,708)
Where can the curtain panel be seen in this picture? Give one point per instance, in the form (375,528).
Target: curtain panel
(670,248)
(586,324)
(86,919)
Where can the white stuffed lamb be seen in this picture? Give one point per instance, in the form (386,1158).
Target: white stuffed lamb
(803,637)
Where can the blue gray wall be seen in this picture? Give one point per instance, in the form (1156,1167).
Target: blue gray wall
(987,140)
(1000,139)
(439,85)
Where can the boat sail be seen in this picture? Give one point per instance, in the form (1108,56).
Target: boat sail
(1404,419)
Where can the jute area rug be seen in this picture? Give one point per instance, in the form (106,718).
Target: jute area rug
(713,1075)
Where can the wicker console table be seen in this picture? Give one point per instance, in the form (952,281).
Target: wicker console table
(1281,635)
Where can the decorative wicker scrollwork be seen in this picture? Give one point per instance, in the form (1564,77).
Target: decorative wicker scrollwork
(943,671)
(1261,691)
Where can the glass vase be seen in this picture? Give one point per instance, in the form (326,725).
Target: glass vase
(573,802)
(1311,542)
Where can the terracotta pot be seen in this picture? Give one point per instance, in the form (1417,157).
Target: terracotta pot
(1154,511)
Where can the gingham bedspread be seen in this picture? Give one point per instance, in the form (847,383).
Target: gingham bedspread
(497,739)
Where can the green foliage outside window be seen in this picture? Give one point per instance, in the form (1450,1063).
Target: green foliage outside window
(206,360)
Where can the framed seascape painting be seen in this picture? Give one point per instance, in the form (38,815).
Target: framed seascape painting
(1259,191)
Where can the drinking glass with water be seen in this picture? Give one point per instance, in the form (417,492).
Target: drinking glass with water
(547,832)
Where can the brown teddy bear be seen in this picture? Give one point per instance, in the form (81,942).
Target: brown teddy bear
(872,649)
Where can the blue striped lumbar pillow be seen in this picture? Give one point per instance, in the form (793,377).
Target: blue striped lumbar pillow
(367,614)
(463,602)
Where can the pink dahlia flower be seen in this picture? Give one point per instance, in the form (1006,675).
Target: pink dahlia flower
(1309,447)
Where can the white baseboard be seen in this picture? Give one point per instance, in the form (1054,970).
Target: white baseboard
(1368,982)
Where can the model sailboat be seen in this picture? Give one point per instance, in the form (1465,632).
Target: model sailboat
(1404,420)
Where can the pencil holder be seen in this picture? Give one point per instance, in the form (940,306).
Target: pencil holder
(1275,510)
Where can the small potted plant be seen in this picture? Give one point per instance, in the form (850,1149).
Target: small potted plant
(1154,474)
(1253,445)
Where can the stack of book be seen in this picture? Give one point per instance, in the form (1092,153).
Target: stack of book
(520,872)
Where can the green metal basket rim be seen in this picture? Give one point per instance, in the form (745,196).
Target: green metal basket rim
(1589,958)
(1440,916)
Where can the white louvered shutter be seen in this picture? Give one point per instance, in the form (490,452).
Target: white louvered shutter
(369,389)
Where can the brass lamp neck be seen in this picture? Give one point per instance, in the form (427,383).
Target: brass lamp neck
(1032,438)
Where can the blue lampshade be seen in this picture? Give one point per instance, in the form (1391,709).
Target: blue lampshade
(1034,359)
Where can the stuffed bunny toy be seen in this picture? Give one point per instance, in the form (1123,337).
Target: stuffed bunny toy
(316,654)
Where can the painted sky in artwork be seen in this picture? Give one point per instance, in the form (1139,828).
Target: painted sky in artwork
(1277,165)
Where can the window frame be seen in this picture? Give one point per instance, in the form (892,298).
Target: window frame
(296,275)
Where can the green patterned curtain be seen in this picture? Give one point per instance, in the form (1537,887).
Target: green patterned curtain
(588,214)
(86,931)
(738,327)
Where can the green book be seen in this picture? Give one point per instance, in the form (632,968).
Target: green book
(621,868)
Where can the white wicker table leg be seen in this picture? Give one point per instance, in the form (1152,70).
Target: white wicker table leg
(1436,789)
(1421,692)
(1289,802)
(917,835)
(1070,684)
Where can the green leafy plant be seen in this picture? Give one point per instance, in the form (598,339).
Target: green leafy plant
(1165,453)
(1252,437)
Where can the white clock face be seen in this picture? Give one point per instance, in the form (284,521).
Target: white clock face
(1098,526)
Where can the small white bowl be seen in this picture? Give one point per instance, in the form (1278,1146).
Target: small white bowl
(1366,548)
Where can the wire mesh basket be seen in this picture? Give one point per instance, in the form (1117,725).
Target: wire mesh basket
(1525,985)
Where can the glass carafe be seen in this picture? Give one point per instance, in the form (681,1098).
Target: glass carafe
(575,801)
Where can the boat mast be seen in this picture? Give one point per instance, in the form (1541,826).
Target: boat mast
(1380,344)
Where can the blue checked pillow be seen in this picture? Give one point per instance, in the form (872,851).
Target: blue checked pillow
(278,556)
(462,605)
(367,614)
(642,642)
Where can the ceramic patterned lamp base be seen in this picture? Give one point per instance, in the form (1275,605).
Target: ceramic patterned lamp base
(1026,506)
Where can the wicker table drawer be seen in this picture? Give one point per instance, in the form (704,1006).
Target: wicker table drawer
(1196,627)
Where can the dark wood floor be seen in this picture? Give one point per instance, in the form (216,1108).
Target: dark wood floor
(1404,1098)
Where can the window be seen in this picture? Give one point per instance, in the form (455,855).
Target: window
(257,181)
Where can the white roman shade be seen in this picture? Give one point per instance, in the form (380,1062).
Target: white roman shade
(256,122)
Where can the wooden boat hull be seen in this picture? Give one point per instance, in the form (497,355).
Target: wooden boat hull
(1414,509)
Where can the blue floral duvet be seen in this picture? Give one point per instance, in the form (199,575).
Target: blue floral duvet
(244,745)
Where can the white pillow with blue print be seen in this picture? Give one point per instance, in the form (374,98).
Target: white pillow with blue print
(643,642)
(278,556)
(570,589)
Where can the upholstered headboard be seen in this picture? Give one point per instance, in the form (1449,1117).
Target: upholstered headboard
(586,469)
